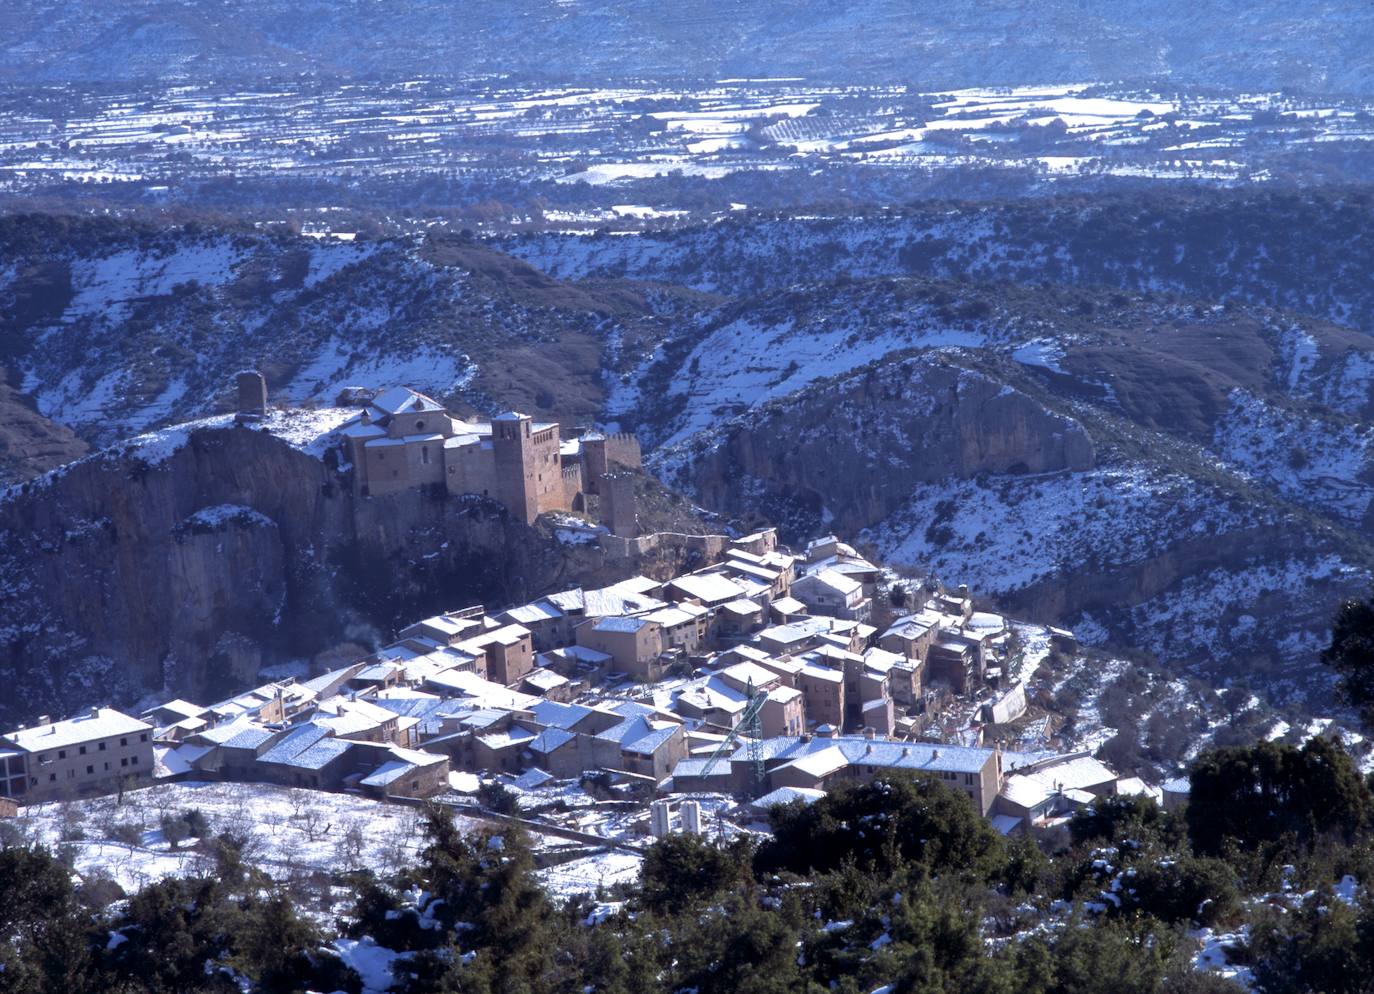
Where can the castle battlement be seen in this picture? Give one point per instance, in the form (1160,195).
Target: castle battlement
(402,439)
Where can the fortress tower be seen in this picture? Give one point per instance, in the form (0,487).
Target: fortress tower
(529,473)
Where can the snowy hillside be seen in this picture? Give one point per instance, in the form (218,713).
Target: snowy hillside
(1219,248)
(1223,510)
(121,330)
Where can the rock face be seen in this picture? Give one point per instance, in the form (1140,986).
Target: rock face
(922,419)
(29,443)
(183,572)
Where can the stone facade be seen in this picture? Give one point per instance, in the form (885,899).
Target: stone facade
(401,440)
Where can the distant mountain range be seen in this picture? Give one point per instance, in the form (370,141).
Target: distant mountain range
(1313,45)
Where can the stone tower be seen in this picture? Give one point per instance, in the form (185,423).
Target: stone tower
(594,461)
(618,504)
(252,393)
(511,444)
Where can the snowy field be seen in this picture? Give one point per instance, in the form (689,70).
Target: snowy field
(603,136)
(289,832)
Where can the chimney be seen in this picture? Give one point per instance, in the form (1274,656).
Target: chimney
(870,732)
(934,754)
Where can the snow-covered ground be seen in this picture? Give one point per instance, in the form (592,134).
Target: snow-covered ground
(289,831)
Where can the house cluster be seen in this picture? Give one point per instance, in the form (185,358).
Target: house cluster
(761,672)
(401,440)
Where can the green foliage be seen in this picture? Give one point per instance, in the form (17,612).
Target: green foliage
(1323,946)
(1188,889)
(42,942)
(1268,792)
(1351,654)
(1114,820)
(684,869)
(883,827)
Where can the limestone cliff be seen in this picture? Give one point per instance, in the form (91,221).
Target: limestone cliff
(183,571)
(922,419)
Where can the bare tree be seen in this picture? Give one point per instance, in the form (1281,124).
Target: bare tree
(348,851)
(313,824)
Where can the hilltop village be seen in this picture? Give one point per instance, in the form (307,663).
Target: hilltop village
(764,676)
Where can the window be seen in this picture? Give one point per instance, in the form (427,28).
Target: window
(419,425)
(61,753)
(102,747)
(134,761)
(52,777)
(90,770)
(124,761)
(143,737)
(123,742)
(42,757)
(424,454)
(83,750)
(107,767)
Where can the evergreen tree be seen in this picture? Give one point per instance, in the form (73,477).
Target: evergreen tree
(1351,654)
(44,946)
(1263,793)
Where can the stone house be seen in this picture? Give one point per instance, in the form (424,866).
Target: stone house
(821,762)
(90,753)
(684,626)
(508,651)
(830,592)
(408,773)
(955,659)
(634,644)
(824,693)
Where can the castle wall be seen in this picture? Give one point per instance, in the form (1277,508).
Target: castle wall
(572,483)
(386,469)
(425,460)
(470,469)
(623,448)
(545,472)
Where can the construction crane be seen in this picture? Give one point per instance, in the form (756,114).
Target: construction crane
(750,725)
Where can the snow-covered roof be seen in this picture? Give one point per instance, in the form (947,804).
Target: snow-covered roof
(920,757)
(624,625)
(553,714)
(550,740)
(545,679)
(400,400)
(670,617)
(307,747)
(97,723)
(528,614)
(358,429)
(510,416)
(745,673)
(710,588)
(833,579)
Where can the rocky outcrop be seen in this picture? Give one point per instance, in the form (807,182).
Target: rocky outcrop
(30,443)
(852,450)
(183,572)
